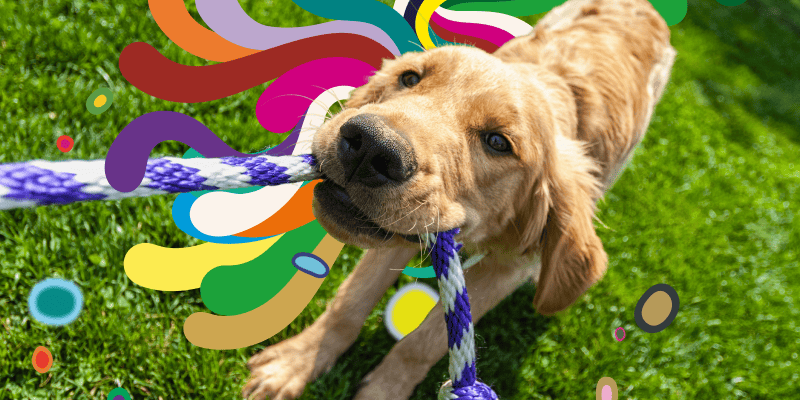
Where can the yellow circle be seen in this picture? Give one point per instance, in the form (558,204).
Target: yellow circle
(100,100)
(410,310)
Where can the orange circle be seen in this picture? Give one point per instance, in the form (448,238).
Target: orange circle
(42,360)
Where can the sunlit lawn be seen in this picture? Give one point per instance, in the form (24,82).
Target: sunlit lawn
(708,206)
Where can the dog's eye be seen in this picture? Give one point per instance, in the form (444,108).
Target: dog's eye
(497,142)
(409,79)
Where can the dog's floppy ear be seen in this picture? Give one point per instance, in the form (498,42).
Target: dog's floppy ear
(572,254)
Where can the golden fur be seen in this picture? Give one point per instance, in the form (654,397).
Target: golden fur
(574,98)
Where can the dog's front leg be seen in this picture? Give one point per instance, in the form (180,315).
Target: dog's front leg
(409,361)
(282,371)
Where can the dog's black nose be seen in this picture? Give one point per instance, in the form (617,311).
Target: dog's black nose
(373,154)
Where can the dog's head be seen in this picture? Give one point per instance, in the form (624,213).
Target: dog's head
(455,137)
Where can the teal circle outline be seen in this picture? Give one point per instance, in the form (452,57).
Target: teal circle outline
(58,320)
(119,392)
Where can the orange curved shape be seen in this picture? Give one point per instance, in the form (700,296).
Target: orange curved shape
(179,26)
(294,214)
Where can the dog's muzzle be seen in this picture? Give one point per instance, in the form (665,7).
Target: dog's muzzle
(374,154)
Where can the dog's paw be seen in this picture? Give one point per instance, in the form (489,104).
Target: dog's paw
(279,372)
(380,385)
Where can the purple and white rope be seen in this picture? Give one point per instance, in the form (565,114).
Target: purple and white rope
(463,384)
(38,183)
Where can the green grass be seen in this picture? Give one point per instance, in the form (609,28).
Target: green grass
(707,205)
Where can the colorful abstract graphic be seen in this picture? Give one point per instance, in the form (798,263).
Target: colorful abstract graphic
(673,11)
(65,143)
(55,302)
(118,394)
(99,101)
(254,233)
(606,389)
(408,308)
(657,308)
(42,359)
(619,336)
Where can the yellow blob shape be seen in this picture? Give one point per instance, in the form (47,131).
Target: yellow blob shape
(167,269)
(410,310)
(424,15)
(226,332)
(100,100)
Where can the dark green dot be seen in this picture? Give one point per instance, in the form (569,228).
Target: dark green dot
(55,302)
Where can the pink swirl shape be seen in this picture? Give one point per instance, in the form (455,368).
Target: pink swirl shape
(283,103)
(487,32)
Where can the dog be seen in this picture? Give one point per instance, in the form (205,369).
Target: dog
(515,148)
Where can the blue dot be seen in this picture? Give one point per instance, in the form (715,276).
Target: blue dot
(310,264)
(55,302)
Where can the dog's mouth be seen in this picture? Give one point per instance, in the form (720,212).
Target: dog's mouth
(336,202)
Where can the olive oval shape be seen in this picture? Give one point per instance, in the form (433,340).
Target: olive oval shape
(657,308)
(99,101)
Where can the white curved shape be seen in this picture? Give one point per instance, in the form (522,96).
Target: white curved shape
(225,214)
(400,6)
(508,23)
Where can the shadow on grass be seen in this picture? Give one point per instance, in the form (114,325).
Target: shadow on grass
(504,339)
(750,69)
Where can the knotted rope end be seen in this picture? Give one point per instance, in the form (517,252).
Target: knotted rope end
(476,391)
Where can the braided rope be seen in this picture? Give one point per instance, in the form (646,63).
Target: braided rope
(463,384)
(38,183)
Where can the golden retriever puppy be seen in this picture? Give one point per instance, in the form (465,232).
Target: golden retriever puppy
(515,148)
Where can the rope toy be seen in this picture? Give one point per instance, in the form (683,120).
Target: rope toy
(39,183)
(463,383)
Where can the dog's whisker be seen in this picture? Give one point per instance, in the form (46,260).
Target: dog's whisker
(432,221)
(338,100)
(326,116)
(413,226)
(437,218)
(380,219)
(429,249)
(332,93)
(305,97)
(315,101)
(312,126)
(409,214)
(417,44)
